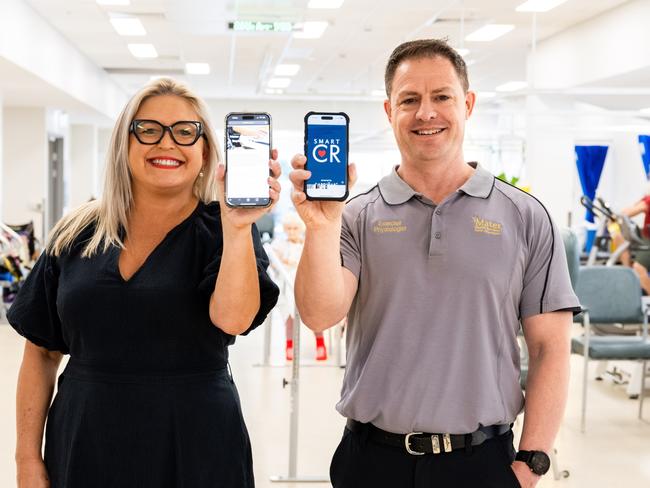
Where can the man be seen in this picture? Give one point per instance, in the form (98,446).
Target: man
(436,266)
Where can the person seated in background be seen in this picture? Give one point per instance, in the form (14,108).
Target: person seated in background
(640,261)
(289,250)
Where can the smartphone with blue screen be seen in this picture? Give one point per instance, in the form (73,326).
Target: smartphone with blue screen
(248,150)
(326,149)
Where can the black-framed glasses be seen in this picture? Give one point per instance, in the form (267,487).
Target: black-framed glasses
(183,132)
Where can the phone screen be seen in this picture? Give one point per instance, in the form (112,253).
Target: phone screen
(248,143)
(326,149)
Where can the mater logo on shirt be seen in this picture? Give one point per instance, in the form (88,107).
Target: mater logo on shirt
(486,226)
(388,227)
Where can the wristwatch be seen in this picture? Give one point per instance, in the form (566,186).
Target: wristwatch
(537,461)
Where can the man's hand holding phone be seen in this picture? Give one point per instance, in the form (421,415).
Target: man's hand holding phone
(322,291)
(315,213)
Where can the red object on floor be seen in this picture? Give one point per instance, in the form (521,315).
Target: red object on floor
(321,350)
(289,350)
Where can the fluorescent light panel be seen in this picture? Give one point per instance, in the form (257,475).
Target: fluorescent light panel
(539,5)
(645,111)
(325,3)
(197,68)
(484,95)
(113,2)
(274,91)
(512,86)
(286,69)
(279,82)
(311,30)
(127,25)
(143,50)
(489,32)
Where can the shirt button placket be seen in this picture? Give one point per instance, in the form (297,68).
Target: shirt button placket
(435,240)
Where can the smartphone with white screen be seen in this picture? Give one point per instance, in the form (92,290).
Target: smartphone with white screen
(326,149)
(248,150)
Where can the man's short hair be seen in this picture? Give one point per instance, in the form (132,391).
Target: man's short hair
(425,48)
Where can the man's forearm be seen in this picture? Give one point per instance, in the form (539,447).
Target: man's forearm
(319,286)
(546,394)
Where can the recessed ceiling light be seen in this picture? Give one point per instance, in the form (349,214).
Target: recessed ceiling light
(539,5)
(143,50)
(279,82)
(511,86)
(463,51)
(197,68)
(489,32)
(286,69)
(325,3)
(127,25)
(311,30)
(113,2)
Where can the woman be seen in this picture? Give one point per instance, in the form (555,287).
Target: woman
(145,289)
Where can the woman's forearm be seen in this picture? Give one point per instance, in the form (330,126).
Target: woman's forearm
(236,297)
(33,396)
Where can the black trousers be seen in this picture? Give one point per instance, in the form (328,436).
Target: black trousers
(360,462)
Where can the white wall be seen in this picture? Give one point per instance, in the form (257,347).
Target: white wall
(30,42)
(24,179)
(83,164)
(610,44)
(1,159)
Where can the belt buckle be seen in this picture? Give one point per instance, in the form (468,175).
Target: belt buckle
(435,443)
(407,440)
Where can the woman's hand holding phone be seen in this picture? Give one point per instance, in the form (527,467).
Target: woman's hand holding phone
(315,213)
(237,217)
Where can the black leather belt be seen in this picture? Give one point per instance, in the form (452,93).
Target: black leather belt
(419,443)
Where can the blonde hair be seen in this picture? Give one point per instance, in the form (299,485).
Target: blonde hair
(110,213)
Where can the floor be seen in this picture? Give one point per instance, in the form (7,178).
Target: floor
(615,451)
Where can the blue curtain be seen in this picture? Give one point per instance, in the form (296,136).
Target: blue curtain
(644,146)
(590,161)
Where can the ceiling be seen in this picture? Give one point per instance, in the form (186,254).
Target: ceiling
(346,62)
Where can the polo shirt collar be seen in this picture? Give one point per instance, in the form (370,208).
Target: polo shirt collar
(480,183)
(395,191)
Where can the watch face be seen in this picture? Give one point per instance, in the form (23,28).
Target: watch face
(539,463)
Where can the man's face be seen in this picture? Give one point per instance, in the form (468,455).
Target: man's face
(427,110)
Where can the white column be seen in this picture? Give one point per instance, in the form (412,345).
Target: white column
(83,164)
(2,175)
(25,152)
(550,160)
(103,142)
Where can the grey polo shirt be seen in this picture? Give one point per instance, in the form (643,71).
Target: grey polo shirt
(432,330)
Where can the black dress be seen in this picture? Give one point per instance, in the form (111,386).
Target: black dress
(146,400)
